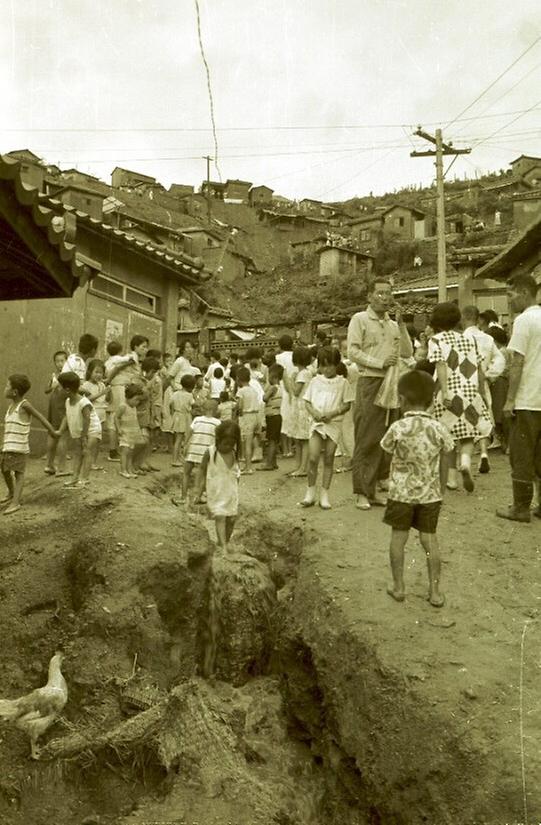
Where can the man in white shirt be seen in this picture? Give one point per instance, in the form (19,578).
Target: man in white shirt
(524,397)
(493,364)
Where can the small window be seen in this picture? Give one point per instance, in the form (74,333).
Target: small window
(107,287)
(140,299)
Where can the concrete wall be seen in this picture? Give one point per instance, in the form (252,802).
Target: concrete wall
(524,211)
(33,330)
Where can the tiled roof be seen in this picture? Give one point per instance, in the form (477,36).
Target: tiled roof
(526,244)
(474,254)
(181,264)
(65,271)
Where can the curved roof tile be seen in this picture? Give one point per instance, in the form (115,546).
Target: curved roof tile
(68,274)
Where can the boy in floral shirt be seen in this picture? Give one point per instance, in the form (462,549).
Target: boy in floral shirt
(417,443)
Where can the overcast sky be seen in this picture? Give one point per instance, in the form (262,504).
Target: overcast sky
(134,67)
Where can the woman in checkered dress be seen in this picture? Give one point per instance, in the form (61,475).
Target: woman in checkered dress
(460,402)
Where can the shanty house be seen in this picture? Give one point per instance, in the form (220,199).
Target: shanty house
(126,178)
(310,206)
(261,195)
(237,191)
(340,260)
(528,168)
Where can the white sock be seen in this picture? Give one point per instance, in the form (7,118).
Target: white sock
(310,494)
(324,499)
(465,462)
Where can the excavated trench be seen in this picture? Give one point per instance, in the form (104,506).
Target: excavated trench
(192,696)
(209,689)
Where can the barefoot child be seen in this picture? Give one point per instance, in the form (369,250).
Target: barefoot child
(219,472)
(328,398)
(181,411)
(417,443)
(97,391)
(16,445)
(203,430)
(128,430)
(56,447)
(82,422)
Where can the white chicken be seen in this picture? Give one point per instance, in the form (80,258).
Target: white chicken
(38,710)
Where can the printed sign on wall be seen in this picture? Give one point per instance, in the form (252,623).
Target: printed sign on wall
(114,331)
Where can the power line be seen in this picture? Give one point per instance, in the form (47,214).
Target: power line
(508,91)
(209,87)
(328,127)
(351,146)
(354,177)
(489,87)
(501,129)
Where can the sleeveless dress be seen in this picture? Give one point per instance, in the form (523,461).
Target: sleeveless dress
(468,416)
(222,485)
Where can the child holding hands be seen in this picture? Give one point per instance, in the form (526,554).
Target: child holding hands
(82,422)
(16,444)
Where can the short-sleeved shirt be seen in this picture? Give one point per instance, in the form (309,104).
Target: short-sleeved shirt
(74,418)
(202,437)
(76,364)
(526,340)
(122,378)
(180,367)
(250,399)
(416,442)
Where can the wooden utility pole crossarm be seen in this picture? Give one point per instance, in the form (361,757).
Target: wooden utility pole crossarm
(440,150)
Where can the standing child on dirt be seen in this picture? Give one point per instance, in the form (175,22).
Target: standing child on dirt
(418,444)
(128,430)
(297,384)
(328,398)
(97,391)
(181,411)
(273,417)
(56,447)
(202,436)
(16,444)
(248,409)
(82,422)
(219,472)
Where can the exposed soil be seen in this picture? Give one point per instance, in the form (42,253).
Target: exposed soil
(336,704)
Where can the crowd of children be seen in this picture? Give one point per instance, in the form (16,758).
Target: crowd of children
(218,421)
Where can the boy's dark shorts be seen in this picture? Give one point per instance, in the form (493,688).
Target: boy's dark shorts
(273,424)
(401,515)
(13,462)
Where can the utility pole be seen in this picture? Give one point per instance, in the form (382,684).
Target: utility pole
(441,150)
(208,159)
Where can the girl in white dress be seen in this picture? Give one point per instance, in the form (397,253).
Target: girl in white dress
(219,472)
(328,398)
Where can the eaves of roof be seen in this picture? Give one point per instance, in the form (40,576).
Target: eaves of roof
(526,244)
(180,264)
(348,249)
(63,267)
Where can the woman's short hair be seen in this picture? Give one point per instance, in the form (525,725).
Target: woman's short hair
(445,317)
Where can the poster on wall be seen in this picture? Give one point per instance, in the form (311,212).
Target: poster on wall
(114,330)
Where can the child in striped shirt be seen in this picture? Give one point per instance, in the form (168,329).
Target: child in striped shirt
(202,436)
(16,444)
